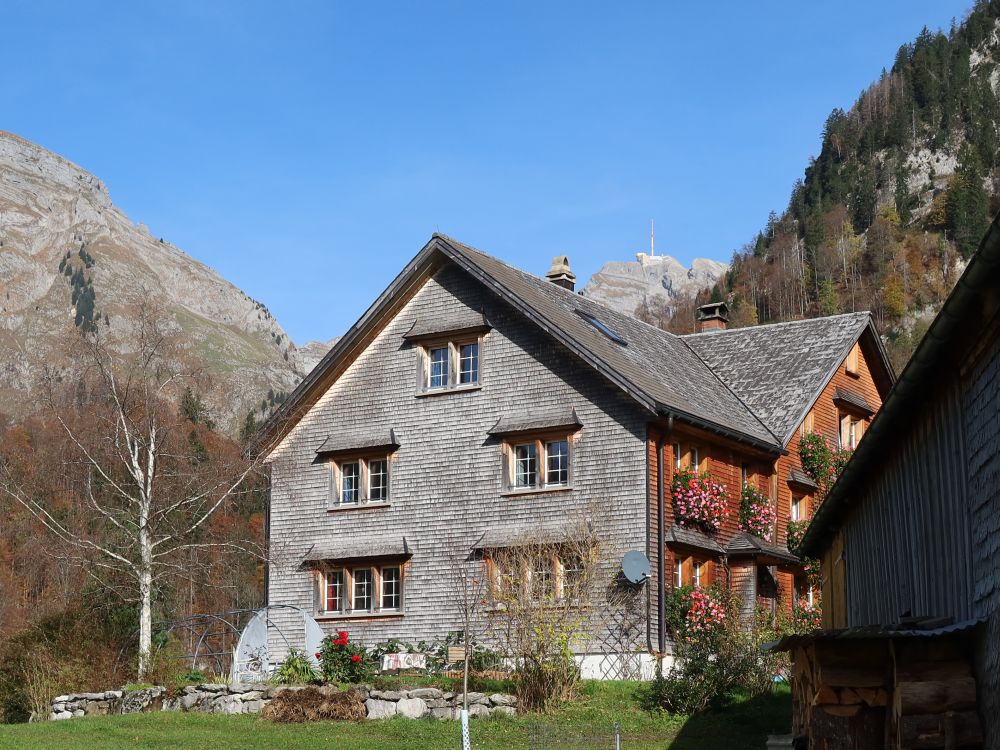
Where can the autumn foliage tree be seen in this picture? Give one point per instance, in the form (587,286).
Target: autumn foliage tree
(131,489)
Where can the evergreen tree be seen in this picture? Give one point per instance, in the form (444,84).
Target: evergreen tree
(968,203)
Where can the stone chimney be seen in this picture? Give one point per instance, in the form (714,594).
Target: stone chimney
(560,275)
(712,317)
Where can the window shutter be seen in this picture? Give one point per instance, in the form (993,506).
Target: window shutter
(317,592)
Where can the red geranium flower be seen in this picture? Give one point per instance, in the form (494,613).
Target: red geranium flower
(355,658)
(343,635)
(319,655)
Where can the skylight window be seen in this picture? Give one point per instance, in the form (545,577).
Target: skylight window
(602,328)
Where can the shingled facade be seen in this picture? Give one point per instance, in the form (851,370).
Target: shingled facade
(474,404)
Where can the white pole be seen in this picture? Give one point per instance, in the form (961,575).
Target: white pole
(466,743)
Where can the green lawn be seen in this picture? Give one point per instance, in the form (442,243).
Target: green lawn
(745,725)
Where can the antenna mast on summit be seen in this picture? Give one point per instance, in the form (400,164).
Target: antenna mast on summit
(652,239)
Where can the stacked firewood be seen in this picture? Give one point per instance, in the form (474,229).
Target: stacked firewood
(934,696)
(884,693)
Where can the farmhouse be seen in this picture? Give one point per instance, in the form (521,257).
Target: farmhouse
(475,406)
(909,539)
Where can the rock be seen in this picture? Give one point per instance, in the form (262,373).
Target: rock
(238,687)
(473,698)
(503,711)
(502,699)
(79,712)
(388,695)
(426,693)
(444,713)
(60,699)
(379,709)
(436,703)
(62,715)
(189,701)
(188,689)
(252,707)
(448,696)
(58,707)
(252,695)
(97,708)
(210,688)
(478,710)
(91,696)
(412,708)
(110,695)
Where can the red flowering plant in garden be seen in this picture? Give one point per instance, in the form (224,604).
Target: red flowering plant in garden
(699,501)
(343,661)
(757,514)
(705,615)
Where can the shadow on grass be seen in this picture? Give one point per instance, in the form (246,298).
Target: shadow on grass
(743,725)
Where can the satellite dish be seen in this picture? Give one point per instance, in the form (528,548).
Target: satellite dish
(635,567)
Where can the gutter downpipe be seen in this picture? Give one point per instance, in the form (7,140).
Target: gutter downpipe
(661,584)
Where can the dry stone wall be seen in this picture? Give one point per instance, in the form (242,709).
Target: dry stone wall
(251,698)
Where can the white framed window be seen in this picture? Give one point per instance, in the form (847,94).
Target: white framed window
(438,358)
(468,363)
(542,582)
(366,589)
(851,430)
(542,578)
(678,572)
(334,594)
(677,457)
(392,590)
(451,365)
(360,481)
(539,464)
(557,462)
(798,512)
(696,567)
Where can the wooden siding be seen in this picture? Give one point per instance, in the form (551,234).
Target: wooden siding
(981,407)
(445,478)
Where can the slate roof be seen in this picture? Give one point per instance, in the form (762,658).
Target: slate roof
(657,364)
(777,370)
(753,384)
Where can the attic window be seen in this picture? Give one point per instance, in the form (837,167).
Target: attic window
(602,328)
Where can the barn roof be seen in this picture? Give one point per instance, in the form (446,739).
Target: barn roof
(977,291)
(697,379)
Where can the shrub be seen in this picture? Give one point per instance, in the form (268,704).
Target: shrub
(341,661)
(699,500)
(757,514)
(296,669)
(806,617)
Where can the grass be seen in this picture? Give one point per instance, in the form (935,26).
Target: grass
(743,725)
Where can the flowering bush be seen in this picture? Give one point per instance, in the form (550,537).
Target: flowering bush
(813,573)
(820,461)
(699,501)
(341,661)
(705,615)
(796,532)
(757,514)
(806,617)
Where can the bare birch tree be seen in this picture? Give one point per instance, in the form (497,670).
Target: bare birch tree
(142,477)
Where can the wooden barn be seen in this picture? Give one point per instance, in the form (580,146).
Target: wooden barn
(909,544)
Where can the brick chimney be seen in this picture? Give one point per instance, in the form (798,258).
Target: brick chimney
(560,275)
(712,317)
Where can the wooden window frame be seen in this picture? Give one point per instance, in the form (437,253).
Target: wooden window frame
(347,572)
(556,579)
(452,382)
(364,498)
(851,363)
(541,442)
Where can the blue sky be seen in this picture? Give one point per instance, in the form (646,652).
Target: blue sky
(307,150)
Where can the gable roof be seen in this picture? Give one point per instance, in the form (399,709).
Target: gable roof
(975,298)
(779,370)
(685,377)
